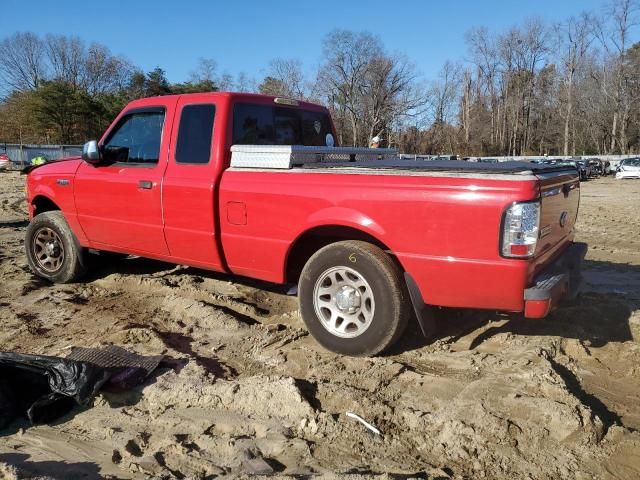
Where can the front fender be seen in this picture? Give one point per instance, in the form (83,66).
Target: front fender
(57,188)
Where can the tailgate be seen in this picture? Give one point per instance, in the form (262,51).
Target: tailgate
(559,199)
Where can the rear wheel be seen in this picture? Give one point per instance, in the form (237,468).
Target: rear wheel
(353,299)
(52,250)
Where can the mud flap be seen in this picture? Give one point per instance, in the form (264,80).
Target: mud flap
(424,313)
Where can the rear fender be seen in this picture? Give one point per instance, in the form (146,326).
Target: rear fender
(339,222)
(346,217)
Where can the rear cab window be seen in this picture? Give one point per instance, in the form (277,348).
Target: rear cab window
(259,124)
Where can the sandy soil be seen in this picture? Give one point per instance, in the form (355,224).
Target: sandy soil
(493,397)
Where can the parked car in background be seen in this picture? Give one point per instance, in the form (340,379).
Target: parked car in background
(583,168)
(580,167)
(5,161)
(614,164)
(628,168)
(597,167)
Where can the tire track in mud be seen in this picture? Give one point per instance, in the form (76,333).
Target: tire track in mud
(205,326)
(318,397)
(12,201)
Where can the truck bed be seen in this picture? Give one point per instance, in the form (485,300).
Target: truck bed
(367,160)
(457,166)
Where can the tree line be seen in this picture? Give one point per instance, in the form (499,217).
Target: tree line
(566,88)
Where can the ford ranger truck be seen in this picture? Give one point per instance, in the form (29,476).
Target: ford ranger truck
(369,243)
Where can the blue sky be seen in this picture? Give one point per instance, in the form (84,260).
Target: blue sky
(244,36)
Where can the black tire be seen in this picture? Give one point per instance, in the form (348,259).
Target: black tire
(69,263)
(391,304)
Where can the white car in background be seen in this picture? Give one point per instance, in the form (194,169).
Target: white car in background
(4,161)
(628,168)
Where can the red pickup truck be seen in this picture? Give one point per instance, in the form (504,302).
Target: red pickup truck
(370,243)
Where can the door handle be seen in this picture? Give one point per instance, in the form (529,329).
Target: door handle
(146,184)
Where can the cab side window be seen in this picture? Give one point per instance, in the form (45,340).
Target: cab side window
(136,139)
(194,135)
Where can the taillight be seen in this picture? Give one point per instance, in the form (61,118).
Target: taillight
(520,230)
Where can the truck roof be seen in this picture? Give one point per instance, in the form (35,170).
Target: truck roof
(233,96)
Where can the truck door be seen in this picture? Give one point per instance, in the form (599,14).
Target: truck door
(189,189)
(119,200)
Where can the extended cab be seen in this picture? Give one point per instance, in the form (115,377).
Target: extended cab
(252,185)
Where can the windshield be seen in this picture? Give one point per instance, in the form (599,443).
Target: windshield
(255,124)
(631,162)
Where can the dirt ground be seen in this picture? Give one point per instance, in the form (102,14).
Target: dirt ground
(494,396)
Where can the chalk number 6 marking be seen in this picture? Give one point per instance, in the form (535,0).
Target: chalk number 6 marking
(352,258)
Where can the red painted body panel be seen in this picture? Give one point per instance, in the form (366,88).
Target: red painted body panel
(114,212)
(189,198)
(43,182)
(444,229)
(112,209)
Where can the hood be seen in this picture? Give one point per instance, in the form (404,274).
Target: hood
(67,165)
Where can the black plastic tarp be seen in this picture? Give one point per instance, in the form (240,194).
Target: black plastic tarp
(43,388)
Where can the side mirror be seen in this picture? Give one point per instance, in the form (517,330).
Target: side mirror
(91,152)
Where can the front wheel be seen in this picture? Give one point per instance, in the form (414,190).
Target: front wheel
(52,250)
(353,299)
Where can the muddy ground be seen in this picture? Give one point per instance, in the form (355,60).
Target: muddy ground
(493,397)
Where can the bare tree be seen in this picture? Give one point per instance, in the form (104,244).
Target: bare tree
(94,69)
(244,83)
(532,88)
(576,35)
(388,92)
(366,87)
(484,54)
(205,72)
(104,72)
(444,93)
(466,105)
(67,58)
(22,61)
(443,100)
(347,56)
(286,79)
(622,16)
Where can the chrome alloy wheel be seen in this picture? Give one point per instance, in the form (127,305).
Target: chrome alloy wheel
(343,301)
(48,250)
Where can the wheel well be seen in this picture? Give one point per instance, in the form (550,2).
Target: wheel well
(43,204)
(313,240)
